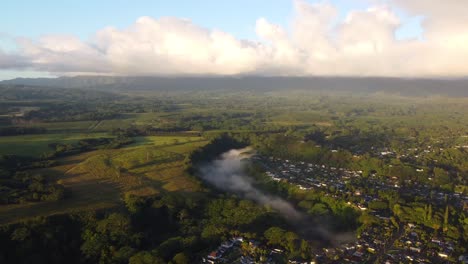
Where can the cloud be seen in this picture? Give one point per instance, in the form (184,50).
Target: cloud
(63,54)
(12,61)
(316,42)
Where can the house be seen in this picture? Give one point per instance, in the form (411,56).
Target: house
(227,244)
(214,255)
(277,250)
(237,240)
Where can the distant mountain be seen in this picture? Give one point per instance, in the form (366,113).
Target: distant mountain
(25,92)
(409,87)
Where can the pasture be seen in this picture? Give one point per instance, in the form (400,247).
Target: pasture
(36,145)
(99,179)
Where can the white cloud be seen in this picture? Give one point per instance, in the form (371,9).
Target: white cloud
(12,61)
(315,43)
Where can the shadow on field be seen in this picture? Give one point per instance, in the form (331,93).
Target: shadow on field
(84,195)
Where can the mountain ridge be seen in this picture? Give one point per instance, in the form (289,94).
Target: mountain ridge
(403,86)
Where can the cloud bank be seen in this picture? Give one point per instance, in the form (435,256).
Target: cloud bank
(316,42)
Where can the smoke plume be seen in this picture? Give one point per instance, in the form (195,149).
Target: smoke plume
(226,173)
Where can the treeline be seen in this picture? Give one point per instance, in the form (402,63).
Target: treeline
(25,187)
(61,149)
(70,112)
(17,185)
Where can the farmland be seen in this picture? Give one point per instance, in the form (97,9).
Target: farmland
(35,145)
(99,179)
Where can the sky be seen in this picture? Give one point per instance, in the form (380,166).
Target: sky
(403,38)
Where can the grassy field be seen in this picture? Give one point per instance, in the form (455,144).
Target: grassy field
(125,120)
(73,126)
(98,179)
(164,140)
(35,145)
(107,125)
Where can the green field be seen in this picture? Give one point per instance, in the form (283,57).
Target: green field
(164,140)
(35,145)
(72,126)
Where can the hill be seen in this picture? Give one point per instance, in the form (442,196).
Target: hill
(406,87)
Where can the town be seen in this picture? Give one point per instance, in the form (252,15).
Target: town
(386,240)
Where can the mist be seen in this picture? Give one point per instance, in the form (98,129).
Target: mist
(226,173)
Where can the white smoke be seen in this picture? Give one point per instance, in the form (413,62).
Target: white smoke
(227,173)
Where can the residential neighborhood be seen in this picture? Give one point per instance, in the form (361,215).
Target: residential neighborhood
(385,241)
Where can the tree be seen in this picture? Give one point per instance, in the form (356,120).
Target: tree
(446,218)
(395,222)
(111,240)
(181,258)
(378,205)
(429,212)
(170,247)
(275,235)
(319,209)
(134,203)
(292,242)
(441,177)
(145,257)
